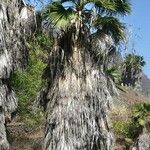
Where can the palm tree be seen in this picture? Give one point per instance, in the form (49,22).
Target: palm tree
(133,65)
(76,96)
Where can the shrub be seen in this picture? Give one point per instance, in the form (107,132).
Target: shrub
(28,83)
(123,129)
(141,114)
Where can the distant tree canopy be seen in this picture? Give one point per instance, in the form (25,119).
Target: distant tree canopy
(132,69)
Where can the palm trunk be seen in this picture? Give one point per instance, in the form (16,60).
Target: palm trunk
(77,111)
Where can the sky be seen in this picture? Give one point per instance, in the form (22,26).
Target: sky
(138,24)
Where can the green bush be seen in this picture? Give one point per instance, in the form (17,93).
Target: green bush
(141,114)
(123,129)
(28,83)
(138,119)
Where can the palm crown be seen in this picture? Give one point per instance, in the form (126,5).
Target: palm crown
(99,15)
(132,68)
(134,63)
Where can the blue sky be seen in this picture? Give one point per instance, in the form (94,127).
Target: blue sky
(139,25)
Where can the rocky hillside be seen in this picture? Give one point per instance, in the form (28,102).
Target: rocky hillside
(145,83)
(13,56)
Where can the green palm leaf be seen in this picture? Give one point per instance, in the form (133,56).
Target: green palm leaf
(111,26)
(113,73)
(111,7)
(57,15)
(122,7)
(101,5)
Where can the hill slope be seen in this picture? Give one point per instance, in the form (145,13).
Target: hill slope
(145,83)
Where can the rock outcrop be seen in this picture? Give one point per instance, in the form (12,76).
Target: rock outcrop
(13,55)
(145,83)
(143,142)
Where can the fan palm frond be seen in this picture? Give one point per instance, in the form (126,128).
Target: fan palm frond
(111,7)
(113,73)
(57,15)
(122,7)
(111,26)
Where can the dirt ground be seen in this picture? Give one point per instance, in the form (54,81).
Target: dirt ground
(21,137)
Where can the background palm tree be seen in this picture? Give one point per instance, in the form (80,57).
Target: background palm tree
(133,65)
(76,95)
